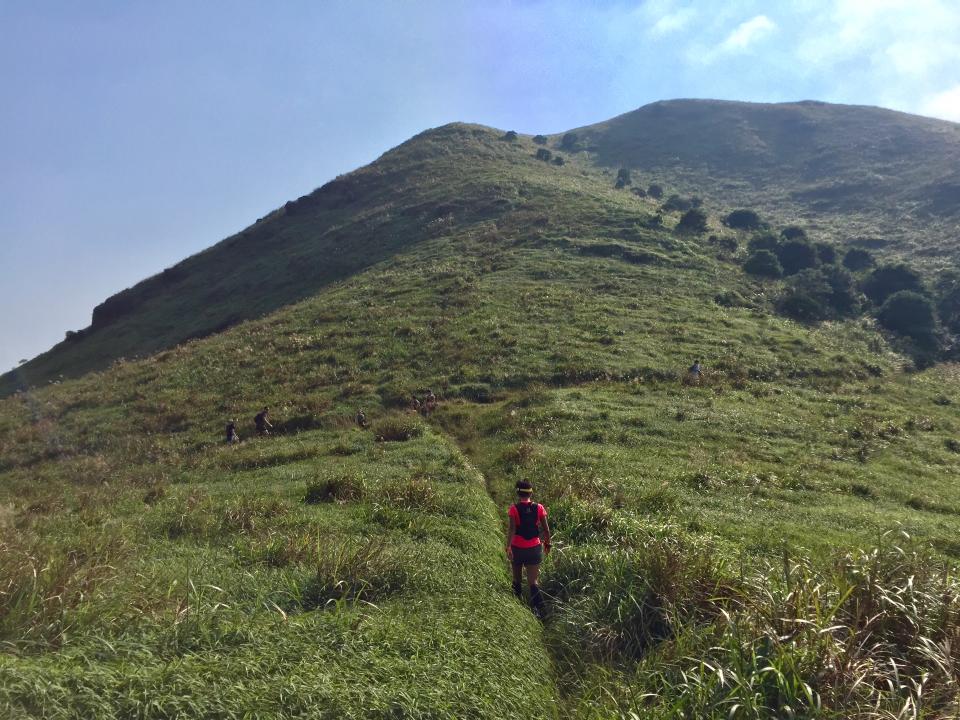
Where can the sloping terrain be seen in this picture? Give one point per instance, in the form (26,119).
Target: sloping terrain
(850,172)
(886,180)
(779,540)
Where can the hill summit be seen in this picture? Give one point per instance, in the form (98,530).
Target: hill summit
(851,174)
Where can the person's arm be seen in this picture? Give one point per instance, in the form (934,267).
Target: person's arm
(511,529)
(545,531)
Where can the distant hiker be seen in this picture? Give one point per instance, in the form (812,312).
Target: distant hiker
(261,420)
(430,401)
(527,522)
(362,418)
(232,436)
(415,404)
(694,373)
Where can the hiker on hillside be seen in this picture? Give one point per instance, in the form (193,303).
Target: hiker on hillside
(430,402)
(232,436)
(694,373)
(415,404)
(527,521)
(261,420)
(362,418)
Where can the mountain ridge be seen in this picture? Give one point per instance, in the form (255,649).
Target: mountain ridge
(769,156)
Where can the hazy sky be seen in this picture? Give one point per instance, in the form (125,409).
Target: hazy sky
(133,134)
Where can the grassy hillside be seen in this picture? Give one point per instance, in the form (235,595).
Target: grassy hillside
(456,174)
(886,180)
(777,541)
(849,172)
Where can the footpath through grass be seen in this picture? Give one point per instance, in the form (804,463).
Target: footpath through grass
(320,575)
(706,567)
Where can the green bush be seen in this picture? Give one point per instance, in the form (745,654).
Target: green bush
(558,160)
(764,241)
(793,232)
(623,176)
(639,191)
(569,141)
(911,314)
(675,203)
(826,253)
(742,220)
(510,136)
(857,259)
(948,308)
(540,139)
(727,243)
(655,191)
(820,294)
(889,279)
(693,222)
(763,263)
(543,154)
(796,255)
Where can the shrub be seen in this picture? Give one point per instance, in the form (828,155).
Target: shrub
(857,259)
(558,160)
(675,203)
(727,243)
(764,241)
(693,222)
(763,263)
(820,294)
(803,305)
(826,253)
(510,136)
(796,255)
(655,191)
(639,192)
(793,232)
(543,154)
(742,220)
(569,141)
(623,175)
(889,279)
(540,139)
(909,313)
(948,307)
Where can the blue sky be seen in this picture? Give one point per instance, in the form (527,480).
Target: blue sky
(133,134)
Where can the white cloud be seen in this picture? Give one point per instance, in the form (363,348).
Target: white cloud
(673,21)
(747,33)
(944,105)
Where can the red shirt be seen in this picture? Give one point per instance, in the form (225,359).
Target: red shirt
(521,542)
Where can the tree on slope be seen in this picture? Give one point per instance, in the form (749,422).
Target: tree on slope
(889,279)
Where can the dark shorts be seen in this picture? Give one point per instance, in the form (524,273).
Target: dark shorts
(528,556)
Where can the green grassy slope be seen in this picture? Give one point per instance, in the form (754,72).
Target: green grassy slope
(847,171)
(708,557)
(149,571)
(454,174)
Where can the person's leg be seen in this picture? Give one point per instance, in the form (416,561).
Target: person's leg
(518,580)
(536,598)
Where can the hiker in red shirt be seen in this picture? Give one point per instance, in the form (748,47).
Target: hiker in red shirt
(528,521)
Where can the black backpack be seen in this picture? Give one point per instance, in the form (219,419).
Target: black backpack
(528,514)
